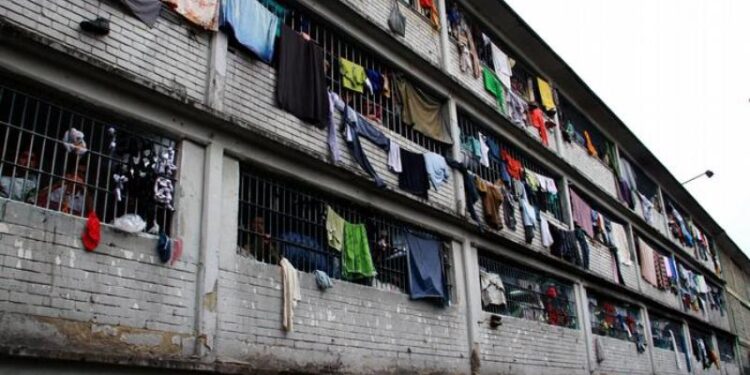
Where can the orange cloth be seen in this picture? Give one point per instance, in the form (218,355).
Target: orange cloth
(537,121)
(515,168)
(590,146)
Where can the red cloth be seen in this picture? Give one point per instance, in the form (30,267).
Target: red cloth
(176,251)
(425,3)
(537,121)
(515,168)
(92,233)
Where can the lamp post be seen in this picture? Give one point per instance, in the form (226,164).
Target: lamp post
(708,173)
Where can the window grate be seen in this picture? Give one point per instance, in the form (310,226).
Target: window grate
(281,217)
(36,167)
(569,113)
(471,128)
(529,296)
(614,318)
(660,329)
(378,108)
(726,348)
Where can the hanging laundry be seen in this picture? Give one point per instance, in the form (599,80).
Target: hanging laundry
(394,158)
(432,8)
(620,240)
(376,81)
(589,145)
(355,126)
(484,151)
(564,245)
(334,229)
(662,279)
(301,82)
(426,279)
(648,268)
(492,199)
(291,293)
(528,214)
(437,169)
(538,121)
(545,92)
(501,64)
(514,166)
(423,112)
(386,92)
(203,13)
(583,245)
(353,75)
(279,10)
(467,51)
(145,10)
(581,213)
(413,178)
(252,24)
(333,147)
(493,85)
(509,211)
(547,239)
(356,259)
(493,289)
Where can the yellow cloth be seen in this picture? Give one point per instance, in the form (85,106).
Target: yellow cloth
(352,75)
(545,91)
(335,229)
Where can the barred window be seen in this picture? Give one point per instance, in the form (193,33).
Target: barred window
(569,113)
(281,217)
(697,337)
(645,185)
(726,348)
(378,108)
(471,129)
(662,330)
(58,156)
(528,294)
(614,318)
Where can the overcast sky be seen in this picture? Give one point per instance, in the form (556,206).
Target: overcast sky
(677,72)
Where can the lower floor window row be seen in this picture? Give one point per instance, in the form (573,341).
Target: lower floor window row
(314,231)
(667,334)
(515,291)
(616,319)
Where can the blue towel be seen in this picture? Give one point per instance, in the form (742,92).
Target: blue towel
(425,268)
(254,26)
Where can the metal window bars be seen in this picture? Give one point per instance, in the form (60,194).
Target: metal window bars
(471,128)
(280,217)
(610,318)
(380,109)
(36,166)
(660,328)
(568,112)
(530,295)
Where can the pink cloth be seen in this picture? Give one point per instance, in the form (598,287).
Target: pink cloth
(204,13)
(581,213)
(648,268)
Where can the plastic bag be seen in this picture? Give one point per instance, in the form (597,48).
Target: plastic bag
(130,223)
(396,20)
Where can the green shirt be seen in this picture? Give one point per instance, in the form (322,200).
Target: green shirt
(495,87)
(356,258)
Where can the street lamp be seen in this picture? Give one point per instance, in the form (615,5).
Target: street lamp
(708,173)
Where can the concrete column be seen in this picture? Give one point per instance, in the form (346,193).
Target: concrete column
(217,71)
(208,265)
(584,317)
(649,338)
(633,255)
(472,292)
(444,39)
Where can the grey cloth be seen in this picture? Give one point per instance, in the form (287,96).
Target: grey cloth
(321,278)
(145,10)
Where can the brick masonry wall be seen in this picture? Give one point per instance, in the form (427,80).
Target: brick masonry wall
(591,167)
(730,369)
(602,263)
(666,297)
(665,362)
(171,54)
(522,346)
(347,328)
(250,97)
(56,296)
(621,357)
(420,37)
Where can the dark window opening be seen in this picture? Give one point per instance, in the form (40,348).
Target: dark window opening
(60,157)
(530,294)
(726,348)
(569,114)
(662,331)
(471,129)
(280,217)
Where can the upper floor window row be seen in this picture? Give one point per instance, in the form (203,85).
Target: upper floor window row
(315,231)
(658,268)
(60,157)
(496,161)
(516,291)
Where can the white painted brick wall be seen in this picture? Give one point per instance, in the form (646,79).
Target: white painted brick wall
(698,369)
(591,167)
(730,369)
(420,37)
(666,364)
(666,297)
(621,357)
(521,346)
(348,327)
(250,96)
(45,272)
(171,54)
(601,263)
